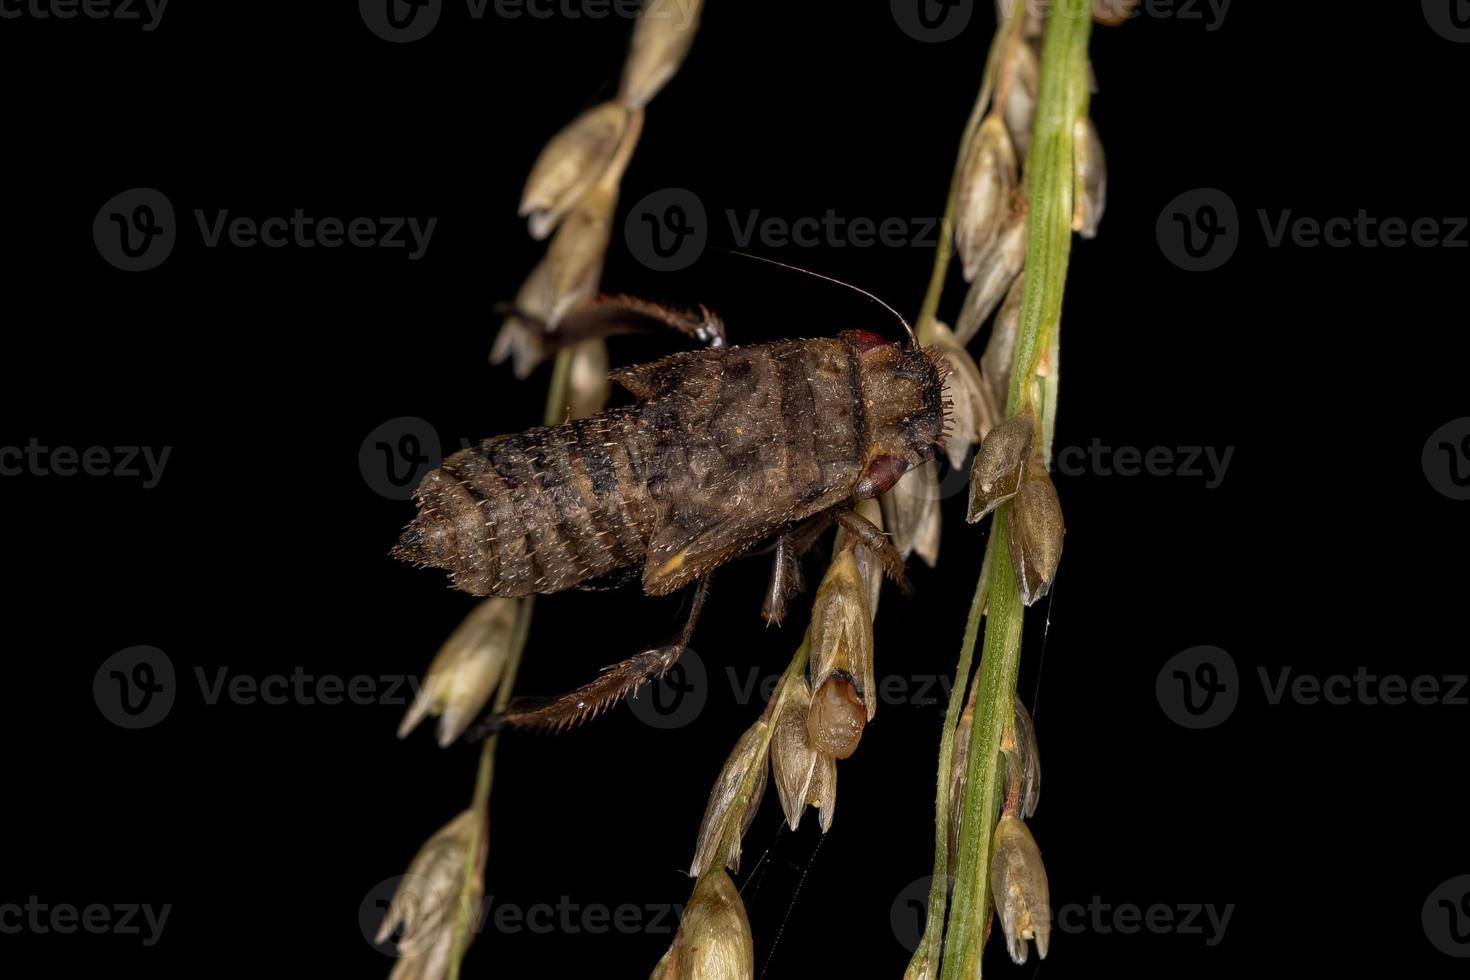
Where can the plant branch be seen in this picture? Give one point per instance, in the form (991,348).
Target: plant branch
(1061,99)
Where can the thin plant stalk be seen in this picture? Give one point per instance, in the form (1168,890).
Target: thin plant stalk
(1061,98)
(556,399)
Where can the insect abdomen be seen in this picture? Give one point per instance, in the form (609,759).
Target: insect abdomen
(539,511)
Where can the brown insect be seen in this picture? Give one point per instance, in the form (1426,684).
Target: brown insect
(724,448)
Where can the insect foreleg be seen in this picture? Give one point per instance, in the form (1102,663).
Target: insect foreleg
(870,536)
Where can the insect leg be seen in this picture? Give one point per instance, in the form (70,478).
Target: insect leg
(615,682)
(786,580)
(870,536)
(609,315)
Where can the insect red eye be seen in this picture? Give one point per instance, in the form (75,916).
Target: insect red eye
(880,476)
(863,339)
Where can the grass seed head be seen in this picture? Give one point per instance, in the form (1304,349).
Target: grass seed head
(1000,465)
(426,904)
(466,670)
(520,336)
(1091,194)
(793,760)
(987,183)
(966,391)
(1035,530)
(726,802)
(661,39)
(1023,69)
(714,940)
(1018,884)
(577,251)
(1000,349)
(570,164)
(842,641)
(998,268)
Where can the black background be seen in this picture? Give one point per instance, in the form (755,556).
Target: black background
(264,550)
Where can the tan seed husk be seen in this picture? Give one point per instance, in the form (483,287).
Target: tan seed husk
(661,40)
(1019,109)
(1028,758)
(466,670)
(911,513)
(1000,465)
(428,902)
(588,386)
(1018,884)
(1000,349)
(793,760)
(834,725)
(725,803)
(577,251)
(521,337)
(997,270)
(842,638)
(987,184)
(714,939)
(965,389)
(1035,530)
(574,160)
(1091,192)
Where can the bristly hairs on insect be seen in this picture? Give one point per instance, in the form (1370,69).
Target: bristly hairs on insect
(913,340)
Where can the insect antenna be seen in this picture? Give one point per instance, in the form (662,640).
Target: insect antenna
(913,340)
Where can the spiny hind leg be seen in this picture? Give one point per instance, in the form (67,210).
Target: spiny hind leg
(616,682)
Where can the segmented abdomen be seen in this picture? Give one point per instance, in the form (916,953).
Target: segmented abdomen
(539,511)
